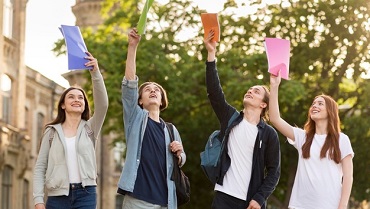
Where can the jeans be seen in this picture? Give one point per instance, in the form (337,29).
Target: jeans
(79,198)
(225,201)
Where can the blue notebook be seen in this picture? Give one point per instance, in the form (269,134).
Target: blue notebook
(76,47)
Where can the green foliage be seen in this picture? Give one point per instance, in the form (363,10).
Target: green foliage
(328,38)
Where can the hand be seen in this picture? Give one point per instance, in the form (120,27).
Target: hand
(254,205)
(92,62)
(40,206)
(210,45)
(133,38)
(176,147)
(275,80)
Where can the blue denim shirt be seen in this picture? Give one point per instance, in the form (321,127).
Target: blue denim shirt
(135,120)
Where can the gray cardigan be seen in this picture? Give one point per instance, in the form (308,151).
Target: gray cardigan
(51,165)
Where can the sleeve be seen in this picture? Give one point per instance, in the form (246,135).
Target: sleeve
(216,96)
(40,169)
(345,146)
(100,97)
(299,135)
(178,138)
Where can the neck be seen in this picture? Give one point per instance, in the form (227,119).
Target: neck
(321,127)
(252,116)
(154,115)
(72,121)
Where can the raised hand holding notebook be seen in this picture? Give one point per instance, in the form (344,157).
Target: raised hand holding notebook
(278,55)
(76,47)
(210,21)
(141,25)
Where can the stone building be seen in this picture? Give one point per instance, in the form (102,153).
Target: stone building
(26,102)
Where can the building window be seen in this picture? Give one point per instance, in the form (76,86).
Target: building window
(6,93)
(39,128)
(26,187)
(6,189)
(8,18)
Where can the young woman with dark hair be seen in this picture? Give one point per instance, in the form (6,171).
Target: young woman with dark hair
(66,163)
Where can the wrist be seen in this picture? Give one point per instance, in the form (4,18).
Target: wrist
(179,160)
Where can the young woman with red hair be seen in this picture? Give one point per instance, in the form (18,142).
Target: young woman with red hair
(325,169)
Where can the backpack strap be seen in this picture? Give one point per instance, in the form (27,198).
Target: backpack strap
(170,131)
(89,131)
(51,136)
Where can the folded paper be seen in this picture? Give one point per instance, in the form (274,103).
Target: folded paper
(76,48)
(141,25)
(278,55)
(210,21)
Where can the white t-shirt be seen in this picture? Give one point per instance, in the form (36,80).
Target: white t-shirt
(240,149)
(73,170)
(318,182)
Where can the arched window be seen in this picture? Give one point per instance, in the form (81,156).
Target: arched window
(6,94)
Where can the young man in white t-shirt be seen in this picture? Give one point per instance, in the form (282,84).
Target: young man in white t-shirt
(250,162)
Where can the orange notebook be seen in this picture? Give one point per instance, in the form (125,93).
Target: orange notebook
(210,21)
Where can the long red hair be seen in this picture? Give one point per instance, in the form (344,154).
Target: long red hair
(331,145)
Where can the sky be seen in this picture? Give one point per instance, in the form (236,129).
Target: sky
(42,31)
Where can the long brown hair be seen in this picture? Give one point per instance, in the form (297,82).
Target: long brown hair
(61,116)
(331,144)
(164,100)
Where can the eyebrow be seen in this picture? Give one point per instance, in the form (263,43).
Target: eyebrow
(255,88)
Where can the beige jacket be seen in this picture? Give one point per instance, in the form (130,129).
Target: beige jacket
(51,166)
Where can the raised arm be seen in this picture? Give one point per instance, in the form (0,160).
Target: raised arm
(210,46)
(133,42)
(100,95)
(274,114)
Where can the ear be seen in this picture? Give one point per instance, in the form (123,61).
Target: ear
(140,102)
(263,105)
(63,107)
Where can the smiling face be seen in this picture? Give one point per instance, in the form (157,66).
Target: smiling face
(74,102)
(318,110)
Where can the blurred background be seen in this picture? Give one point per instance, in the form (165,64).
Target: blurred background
(330,54)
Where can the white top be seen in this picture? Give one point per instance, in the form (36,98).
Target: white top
(318,182)
(73,171)
(240,149)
